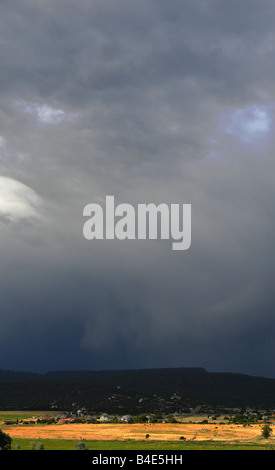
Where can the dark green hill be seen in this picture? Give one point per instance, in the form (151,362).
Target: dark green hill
(133,391)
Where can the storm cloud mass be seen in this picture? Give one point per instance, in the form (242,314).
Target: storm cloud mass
(149,101)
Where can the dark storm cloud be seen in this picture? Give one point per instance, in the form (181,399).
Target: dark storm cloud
(151,102)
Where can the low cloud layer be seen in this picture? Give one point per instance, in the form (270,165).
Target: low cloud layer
(149,102)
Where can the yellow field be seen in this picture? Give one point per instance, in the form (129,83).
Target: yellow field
(159,432)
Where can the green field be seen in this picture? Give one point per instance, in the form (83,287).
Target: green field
(59,444)
(18,415)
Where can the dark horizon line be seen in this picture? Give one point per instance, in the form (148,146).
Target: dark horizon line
(139,369)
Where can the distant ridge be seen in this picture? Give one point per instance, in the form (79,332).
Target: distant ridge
(133,391)
(76,373)
(13,375)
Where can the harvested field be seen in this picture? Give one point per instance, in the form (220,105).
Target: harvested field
(123,432)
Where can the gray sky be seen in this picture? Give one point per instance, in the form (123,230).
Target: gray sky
(149,101)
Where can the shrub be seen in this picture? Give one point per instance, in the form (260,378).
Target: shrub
(39,446)
(266,431)
(171,419)
(139,419)
(5,441)
(80,445)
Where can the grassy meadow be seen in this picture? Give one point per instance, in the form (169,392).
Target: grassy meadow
(26,434)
